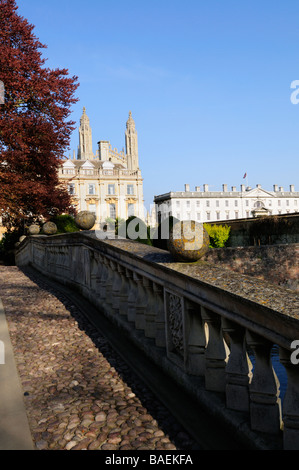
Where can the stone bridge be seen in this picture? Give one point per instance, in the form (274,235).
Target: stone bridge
(211,330)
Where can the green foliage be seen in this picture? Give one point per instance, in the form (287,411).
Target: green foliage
(7,246)
(161,234)
(65,223)
(219,235)
(119,223)
(136,230)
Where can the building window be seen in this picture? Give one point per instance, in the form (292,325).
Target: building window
(218,215)
(247,203)
(178,203)
(198,215)
(279,202)
(247,214)
(226,203)
(208,215)
(112,211)
(131,210)
(208,203)
(91,189)
(71,188)
(197,203)
(288,203)
(189,215)
(130,189)
(188,204)
(92,208)
(217,203)
(111,189)
(236,203)
(236,214)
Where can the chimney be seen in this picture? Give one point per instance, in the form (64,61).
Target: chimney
(187,188)
(275,187)
(206,188)
(234,188)
(292,188)
(224,188)
(242,188)
(197,189)
(259,186)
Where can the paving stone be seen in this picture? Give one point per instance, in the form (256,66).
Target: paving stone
(78,393)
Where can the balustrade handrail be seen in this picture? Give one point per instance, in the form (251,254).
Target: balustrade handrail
(206,319)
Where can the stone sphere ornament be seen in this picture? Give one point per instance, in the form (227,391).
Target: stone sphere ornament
(34,229)
(49,228)
(85,220)
(188,241)
(22,238)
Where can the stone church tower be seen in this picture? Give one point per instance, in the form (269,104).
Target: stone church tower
(85,139)
(131,144)
(108,183)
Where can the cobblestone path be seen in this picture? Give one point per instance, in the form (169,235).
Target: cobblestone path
(78,392)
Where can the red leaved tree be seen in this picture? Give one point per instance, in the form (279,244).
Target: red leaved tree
(34,126)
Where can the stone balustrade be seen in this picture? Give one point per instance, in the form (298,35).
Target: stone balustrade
(210,329)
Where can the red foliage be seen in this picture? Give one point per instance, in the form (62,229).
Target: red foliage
(34,126)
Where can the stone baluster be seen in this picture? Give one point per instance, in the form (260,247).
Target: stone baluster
(264,388)
(195,340)
(290,408)
(160,328)
(109,286)
(141,303)
(124,291)
(132,296)
(102,283)
(116,286)
(215,379)
(150,312)
(98,275)
(238,369)
(85,280)
(94,266)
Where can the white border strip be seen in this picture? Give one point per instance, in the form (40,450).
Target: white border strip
(14,428)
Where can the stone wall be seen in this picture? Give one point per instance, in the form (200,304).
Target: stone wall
(273,263)
(272,230)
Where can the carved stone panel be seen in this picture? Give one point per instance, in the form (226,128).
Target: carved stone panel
(175,329)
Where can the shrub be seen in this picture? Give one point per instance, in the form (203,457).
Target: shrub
(65,223)
(136,229)
(219,235)
(161,235)
(7,246)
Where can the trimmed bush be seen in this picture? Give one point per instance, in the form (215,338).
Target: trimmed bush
(219,235)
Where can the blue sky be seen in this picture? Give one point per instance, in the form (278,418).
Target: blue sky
(208,83)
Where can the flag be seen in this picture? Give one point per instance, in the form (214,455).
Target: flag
(245,176)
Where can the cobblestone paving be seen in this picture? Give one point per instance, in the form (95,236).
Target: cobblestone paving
(78,393)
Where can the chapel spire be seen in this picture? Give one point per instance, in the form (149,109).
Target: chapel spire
(131,144)
(85,138)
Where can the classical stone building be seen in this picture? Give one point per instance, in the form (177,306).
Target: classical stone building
(107,183)
(208,206)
